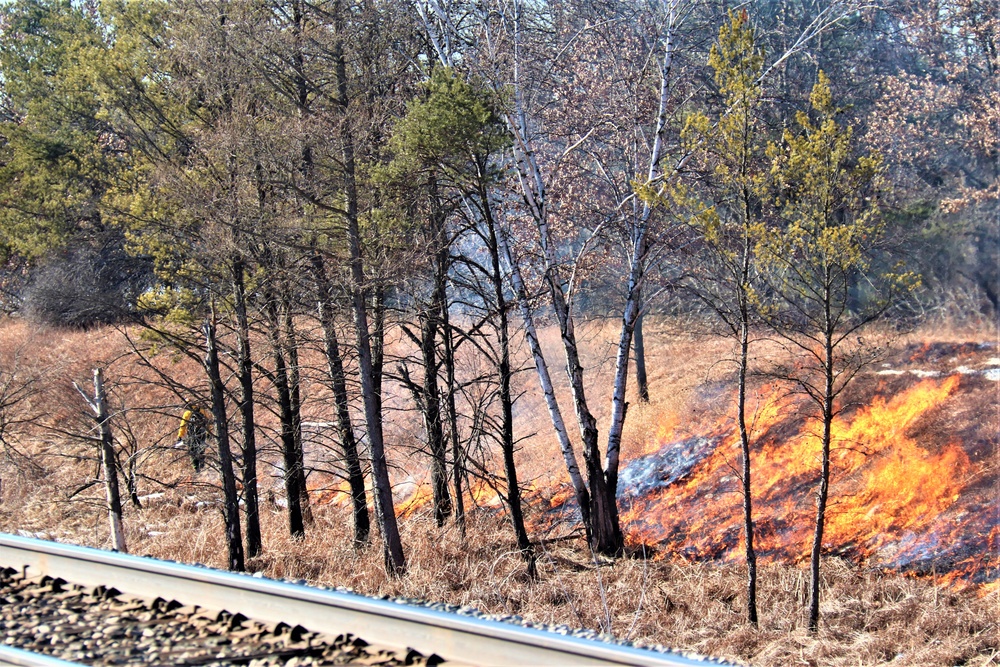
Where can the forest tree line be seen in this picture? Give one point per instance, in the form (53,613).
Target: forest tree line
(463,173)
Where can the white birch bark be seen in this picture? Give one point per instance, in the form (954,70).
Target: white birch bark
(601,519)
(541,367)
(99,405)
(439,27)
(532,183)
(825,19)
(533,190)
(637,265)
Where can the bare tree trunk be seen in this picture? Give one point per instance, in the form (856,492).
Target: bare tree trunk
(748,527)
(458,456)
(231,506)
(430,326)
(822,493)
(431,408)
(606,536)
(506,399)
(108,465)
(290,459)
(427,400)
(290,343)
(378,340)
(640,248)
(619,406)
(131,484)
(335,365)
(246,407)
(385,512)
(639,350)
(439,29)
(742,283)
(545,381)
(604,531)
(370,366)
(290,339)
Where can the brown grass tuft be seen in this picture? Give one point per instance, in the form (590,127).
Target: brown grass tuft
(869,616)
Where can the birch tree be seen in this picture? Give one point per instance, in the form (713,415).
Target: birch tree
(600,514)
(596,495)
(109,465)
(496,42)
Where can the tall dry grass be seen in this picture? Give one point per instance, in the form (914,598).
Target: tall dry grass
(869,617)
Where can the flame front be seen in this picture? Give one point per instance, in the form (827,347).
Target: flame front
(894,486)
(893,499)
(896,499)
(422,496)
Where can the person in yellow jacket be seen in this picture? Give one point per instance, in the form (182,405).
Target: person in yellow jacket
(193,434)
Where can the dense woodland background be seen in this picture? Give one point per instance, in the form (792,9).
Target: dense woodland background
(347,216)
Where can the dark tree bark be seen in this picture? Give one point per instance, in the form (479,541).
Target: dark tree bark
(378,340)
(430,327)
(369,361)
(506,399)
(338,382)
(639,350)
(290,344)
(822,493)
(431,408)
(289,455)
(748,527)
(458,455)
(246,408)
(385,512)
(231,505)
(606,535)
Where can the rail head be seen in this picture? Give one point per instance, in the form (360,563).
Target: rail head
(457,638)
(15,657)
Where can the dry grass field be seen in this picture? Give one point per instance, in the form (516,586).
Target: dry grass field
(871,613)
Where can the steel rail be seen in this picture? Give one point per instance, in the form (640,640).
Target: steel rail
(15,657)
(458,639)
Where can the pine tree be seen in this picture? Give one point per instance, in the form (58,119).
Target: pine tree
(821,271)
(721,197)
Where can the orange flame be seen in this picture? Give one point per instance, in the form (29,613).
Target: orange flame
(421,496)
(888,491)
(339,495)
(483,495)
(665,432)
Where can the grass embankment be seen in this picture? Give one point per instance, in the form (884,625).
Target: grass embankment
(870,616)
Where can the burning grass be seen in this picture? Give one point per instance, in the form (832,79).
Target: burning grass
(897,499)
(915,490)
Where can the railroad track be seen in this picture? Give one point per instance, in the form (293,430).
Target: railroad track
(287,620)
